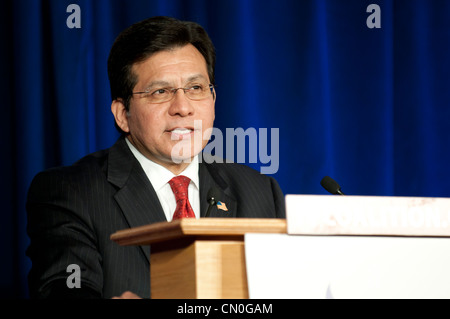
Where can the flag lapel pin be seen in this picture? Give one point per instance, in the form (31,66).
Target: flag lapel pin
(222,206)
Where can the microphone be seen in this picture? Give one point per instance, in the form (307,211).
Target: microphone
(212,199)
(331,186)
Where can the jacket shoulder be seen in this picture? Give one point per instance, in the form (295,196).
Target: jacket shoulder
(90,165)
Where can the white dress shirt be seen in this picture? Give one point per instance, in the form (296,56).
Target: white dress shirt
(160,176)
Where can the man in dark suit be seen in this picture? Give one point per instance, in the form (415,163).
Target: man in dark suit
(161,73)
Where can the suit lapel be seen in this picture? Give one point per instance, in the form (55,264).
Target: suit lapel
(209,177)
(135,196)
(138,200)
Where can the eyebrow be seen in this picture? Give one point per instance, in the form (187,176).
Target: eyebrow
(162,83)
(157,84)
(196,77)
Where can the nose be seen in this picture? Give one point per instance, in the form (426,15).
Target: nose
(181,105)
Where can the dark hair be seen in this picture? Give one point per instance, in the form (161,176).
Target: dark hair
(141,40)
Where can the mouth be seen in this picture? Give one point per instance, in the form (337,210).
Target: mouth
(181,133)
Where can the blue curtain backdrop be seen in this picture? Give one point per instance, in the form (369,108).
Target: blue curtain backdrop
(369,107)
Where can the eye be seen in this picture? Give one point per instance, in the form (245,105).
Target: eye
(160,92)
(196,88)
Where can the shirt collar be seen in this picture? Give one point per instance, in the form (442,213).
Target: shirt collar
(158,175)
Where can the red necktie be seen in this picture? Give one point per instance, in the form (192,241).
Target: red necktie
(179,185)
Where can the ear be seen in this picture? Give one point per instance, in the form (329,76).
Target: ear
(120,115)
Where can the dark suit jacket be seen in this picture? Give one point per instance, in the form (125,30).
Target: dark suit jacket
(72,211)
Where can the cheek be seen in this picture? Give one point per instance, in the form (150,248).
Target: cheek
(208,116)
(207,125)
(148,124)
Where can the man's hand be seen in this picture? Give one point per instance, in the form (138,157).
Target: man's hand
(127,295)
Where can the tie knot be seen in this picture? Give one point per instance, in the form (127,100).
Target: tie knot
(179,185)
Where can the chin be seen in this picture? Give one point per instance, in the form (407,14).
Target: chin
(180,155)
(185,150)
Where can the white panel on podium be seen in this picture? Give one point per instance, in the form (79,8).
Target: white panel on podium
(367,215)
(354,247)
(341,267)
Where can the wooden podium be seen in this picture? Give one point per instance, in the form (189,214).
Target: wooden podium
(198,258)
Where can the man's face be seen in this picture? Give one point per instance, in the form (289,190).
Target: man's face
(166,131)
